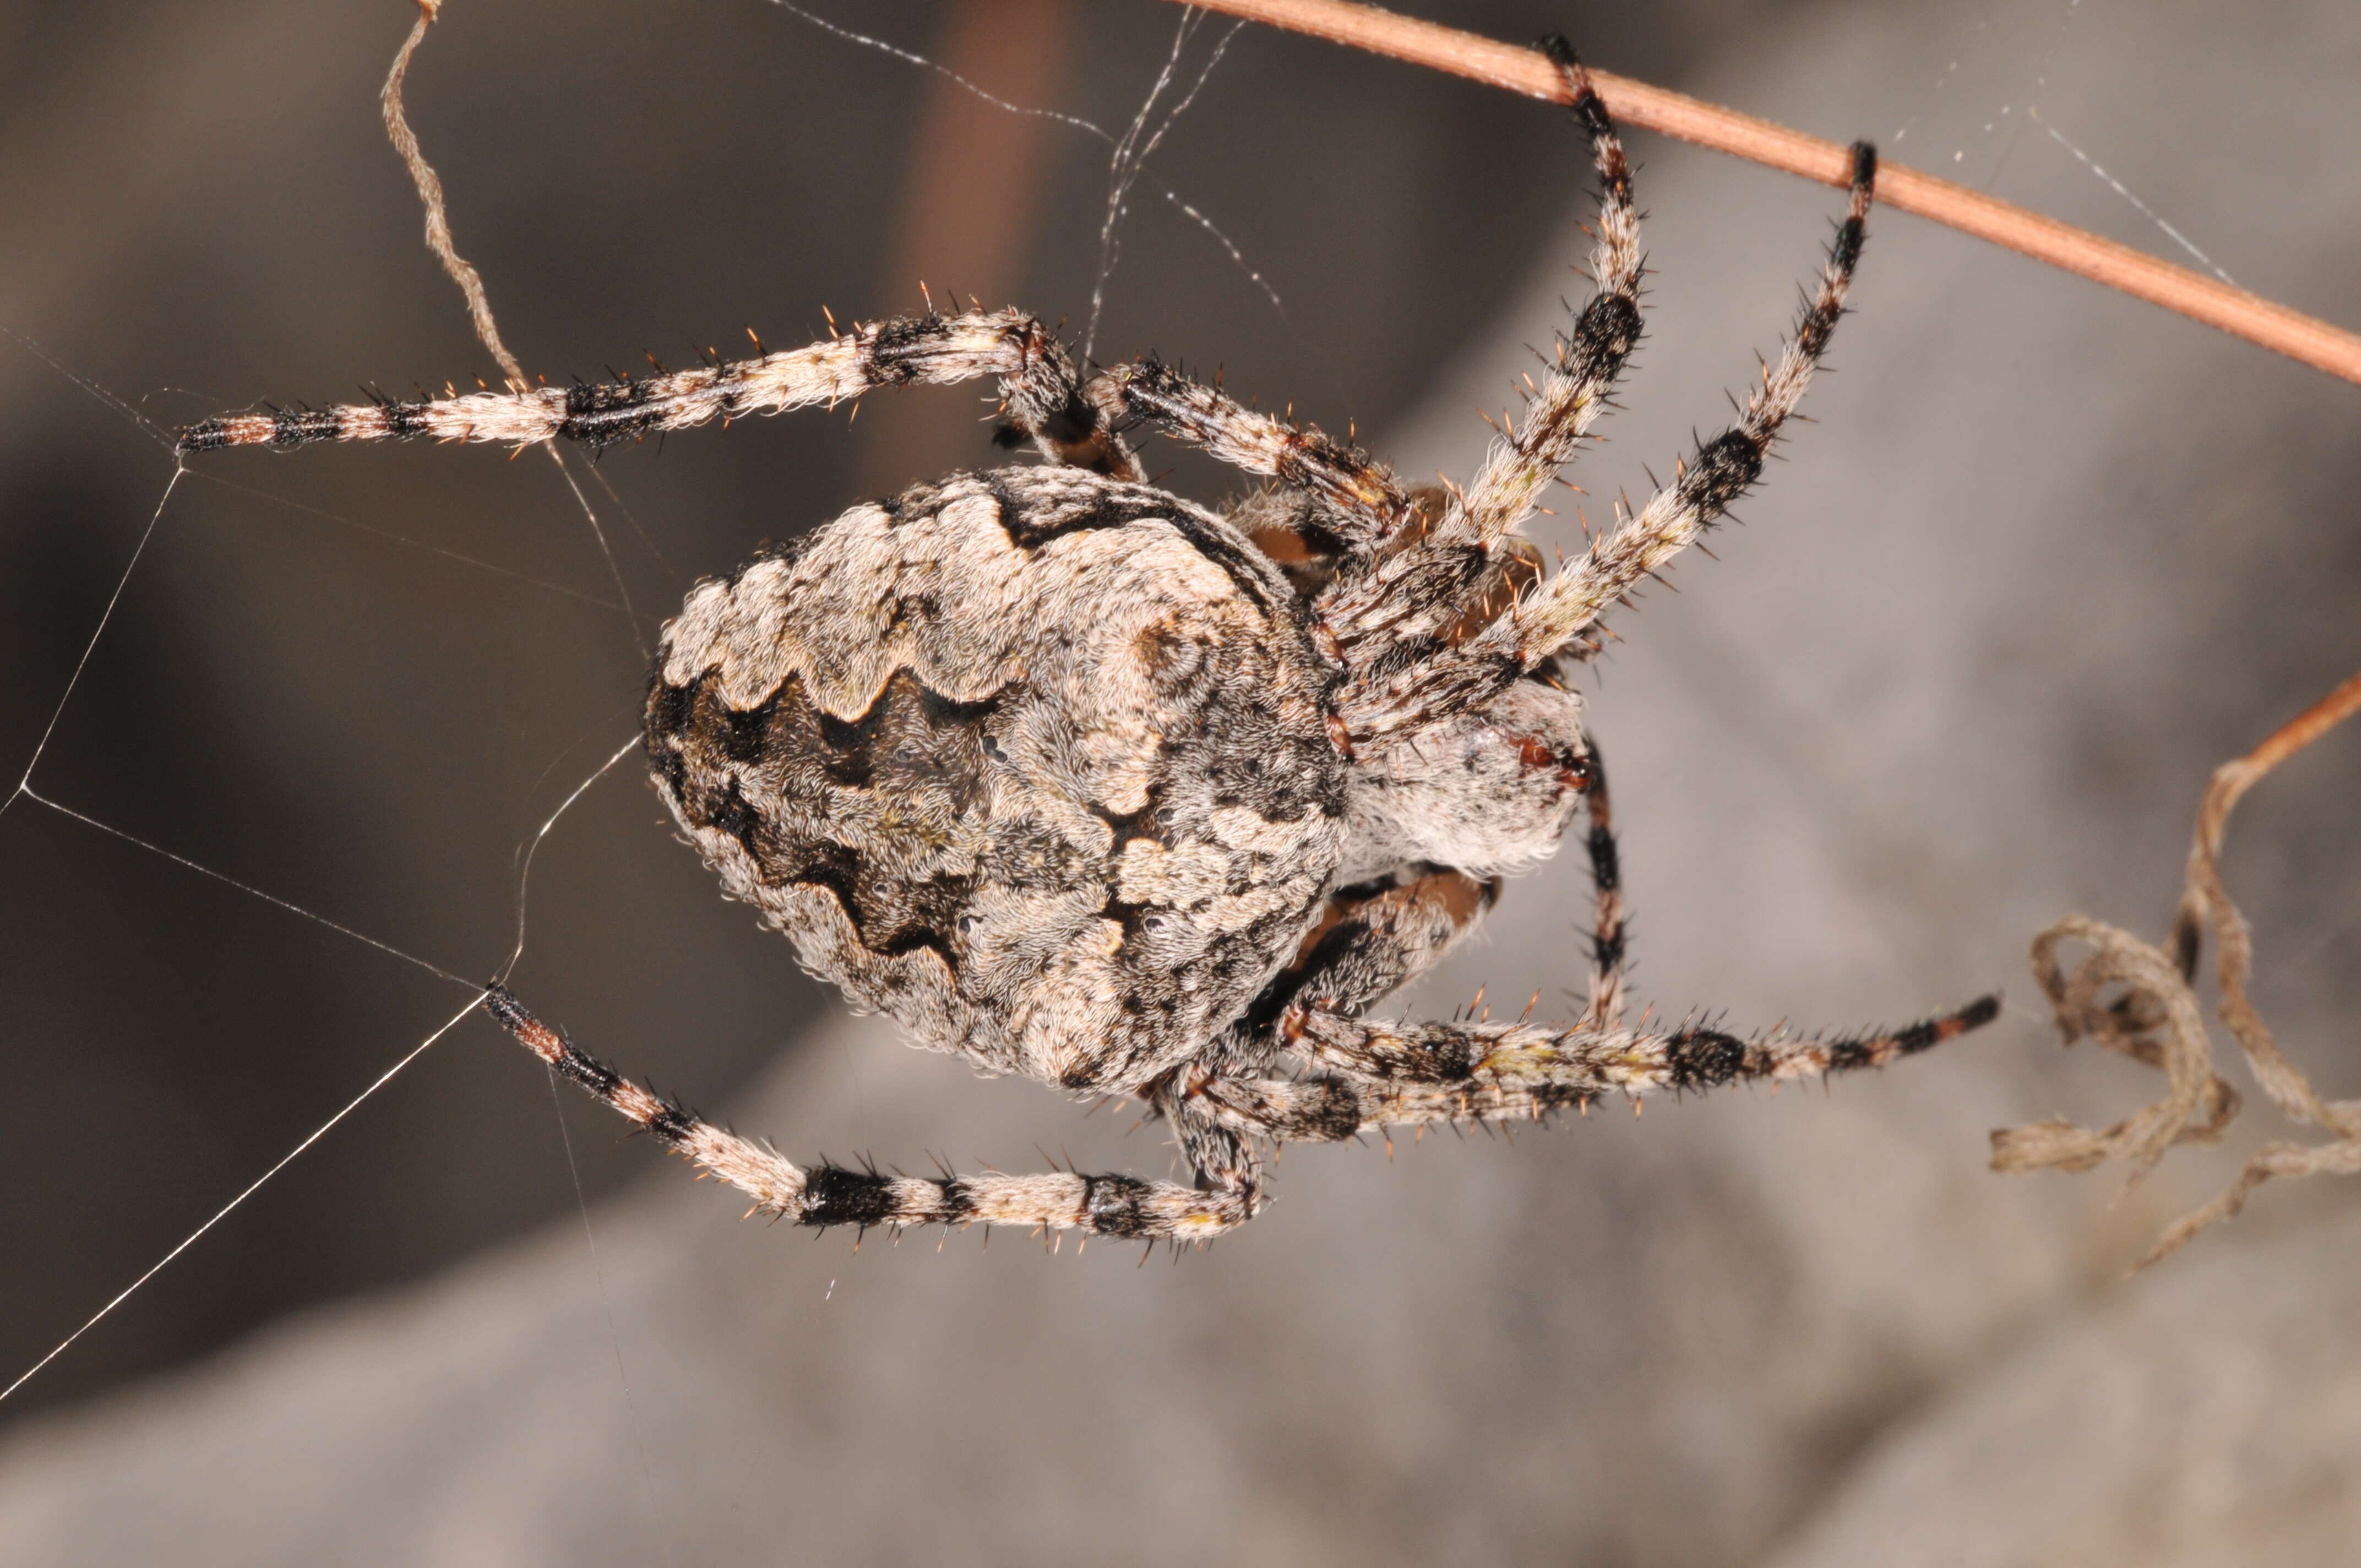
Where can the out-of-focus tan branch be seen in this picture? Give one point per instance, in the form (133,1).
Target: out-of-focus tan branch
(1520,70)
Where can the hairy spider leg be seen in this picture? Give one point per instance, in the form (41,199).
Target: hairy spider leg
(1723,469)
(1038,384)
(827,1195)
(1375,938)
(1546,622)
(1369,940)
(1436,577)
(1071,421)
(1353,497)
(1408,1072)
(1389,1075)
(1582,368)
(1604,1009)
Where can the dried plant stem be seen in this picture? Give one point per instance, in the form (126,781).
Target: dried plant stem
(2274,326)
(463,271)
(2233,779)
(2156,1019)
(430,196)
(2207,903)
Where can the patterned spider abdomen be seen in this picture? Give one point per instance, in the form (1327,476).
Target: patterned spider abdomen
(1035,762)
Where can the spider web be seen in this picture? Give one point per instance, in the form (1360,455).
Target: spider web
(255,824)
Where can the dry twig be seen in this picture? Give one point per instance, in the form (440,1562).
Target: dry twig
(2156,1019)
(2235,311)
(430,196)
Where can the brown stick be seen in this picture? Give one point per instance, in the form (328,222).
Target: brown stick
(2291,738)
(2275,326)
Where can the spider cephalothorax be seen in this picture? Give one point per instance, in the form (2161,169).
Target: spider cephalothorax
(1080,780)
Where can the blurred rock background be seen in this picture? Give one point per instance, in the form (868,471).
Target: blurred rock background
(2046,557)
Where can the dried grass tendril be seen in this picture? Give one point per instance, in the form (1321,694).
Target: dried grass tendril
(2156,1019)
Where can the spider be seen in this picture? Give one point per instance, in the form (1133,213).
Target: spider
(1080,780)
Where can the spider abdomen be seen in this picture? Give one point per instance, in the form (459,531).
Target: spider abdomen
(1035,762)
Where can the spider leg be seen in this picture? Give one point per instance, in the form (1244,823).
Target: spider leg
(1371,940)
(1584,366)
(1557,613)
(1408,1074)
(1422,583)
(1722,470)
(1353,496)
(834,1195)
(1411,1072)
(1605,1006)
(1282,1109)
(1375,937)
(1038,381)
(1223,1156)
